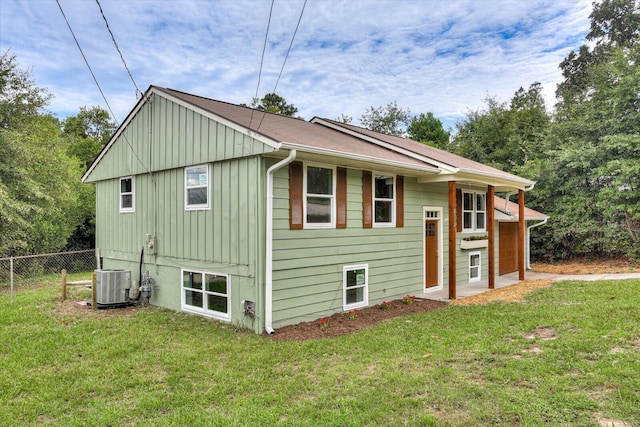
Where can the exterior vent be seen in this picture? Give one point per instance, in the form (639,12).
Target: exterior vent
(111,286)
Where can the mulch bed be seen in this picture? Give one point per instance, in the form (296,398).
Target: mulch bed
(340,323)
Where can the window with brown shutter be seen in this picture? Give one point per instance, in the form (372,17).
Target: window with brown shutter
(399,201)
(459,210)
(295,195)
(341,198)
(367,202)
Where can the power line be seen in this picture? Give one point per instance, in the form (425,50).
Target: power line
(98,85)
(264,48)
(286,57)
(138,92)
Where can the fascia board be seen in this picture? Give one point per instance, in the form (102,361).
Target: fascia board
(441,166)
(350,156)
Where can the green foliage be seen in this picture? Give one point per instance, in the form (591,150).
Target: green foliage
(502,136)
(274,103)
(428,129)
(41,194)
(87,132)
(389,119)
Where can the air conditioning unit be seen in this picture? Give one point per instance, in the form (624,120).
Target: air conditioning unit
(111,286)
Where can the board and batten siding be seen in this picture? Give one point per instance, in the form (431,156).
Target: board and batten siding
(164,135)
(308,263)
(228,238)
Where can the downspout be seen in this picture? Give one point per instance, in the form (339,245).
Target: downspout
(544,221)
(506,201)
(268,289)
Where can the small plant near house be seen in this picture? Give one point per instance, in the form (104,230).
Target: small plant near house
(408,299)
(353,314)
(385,305)
(324,323)
(475,237)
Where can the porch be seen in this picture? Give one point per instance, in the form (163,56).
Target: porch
(482,286)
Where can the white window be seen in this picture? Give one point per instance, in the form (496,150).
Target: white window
(127,199)
(196,179)
(206,294)
(474,211)
(384,202)
(474,266)
(355,284)
(320,190)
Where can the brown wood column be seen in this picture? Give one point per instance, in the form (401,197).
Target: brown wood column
(452,239)
(491,233)
(521,235)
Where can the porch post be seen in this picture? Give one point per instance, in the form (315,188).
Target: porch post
(452,239)
(490,232)
(521,241)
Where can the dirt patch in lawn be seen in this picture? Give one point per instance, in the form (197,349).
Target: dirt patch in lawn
(588,266)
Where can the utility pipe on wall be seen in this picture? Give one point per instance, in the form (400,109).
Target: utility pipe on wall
(268,289)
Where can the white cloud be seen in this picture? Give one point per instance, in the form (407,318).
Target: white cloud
(435,56)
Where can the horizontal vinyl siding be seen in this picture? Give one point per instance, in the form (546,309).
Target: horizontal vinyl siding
(308,263)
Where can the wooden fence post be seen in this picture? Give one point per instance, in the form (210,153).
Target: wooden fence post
(94,293)
(64,284)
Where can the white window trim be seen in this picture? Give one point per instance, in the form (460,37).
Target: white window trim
(133,195)
(474,211)
(312,225)
(204,311)
(479,267)
(202,206)
(374,199)
(365,300)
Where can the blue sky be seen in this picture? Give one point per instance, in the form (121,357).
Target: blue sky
(428,55)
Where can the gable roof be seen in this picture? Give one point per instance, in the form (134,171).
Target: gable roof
(290,132)
(343,144)
(449,162)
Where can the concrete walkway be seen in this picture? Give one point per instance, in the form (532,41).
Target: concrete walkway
(482,286)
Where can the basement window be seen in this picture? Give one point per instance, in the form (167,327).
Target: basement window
(474,267)
(355,279)
(206,294)
(127,200)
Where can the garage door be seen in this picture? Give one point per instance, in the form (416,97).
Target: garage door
(508,242)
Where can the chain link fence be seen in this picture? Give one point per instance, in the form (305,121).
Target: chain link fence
(15,271)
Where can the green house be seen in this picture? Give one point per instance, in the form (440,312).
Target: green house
(265,220)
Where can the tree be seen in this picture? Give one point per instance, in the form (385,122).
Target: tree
(344,118)
(274,103)
(40,184)
(427,129)
(389,119)
(503,135)
(19,96)
(87,132)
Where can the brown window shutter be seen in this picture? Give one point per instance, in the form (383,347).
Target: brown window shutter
(295,196)
(459,209)
(367,202)
(399,201)
(341,198)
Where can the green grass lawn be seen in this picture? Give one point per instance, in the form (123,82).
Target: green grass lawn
(569,355)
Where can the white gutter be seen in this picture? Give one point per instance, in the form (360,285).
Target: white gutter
(544,221)
(268,289)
